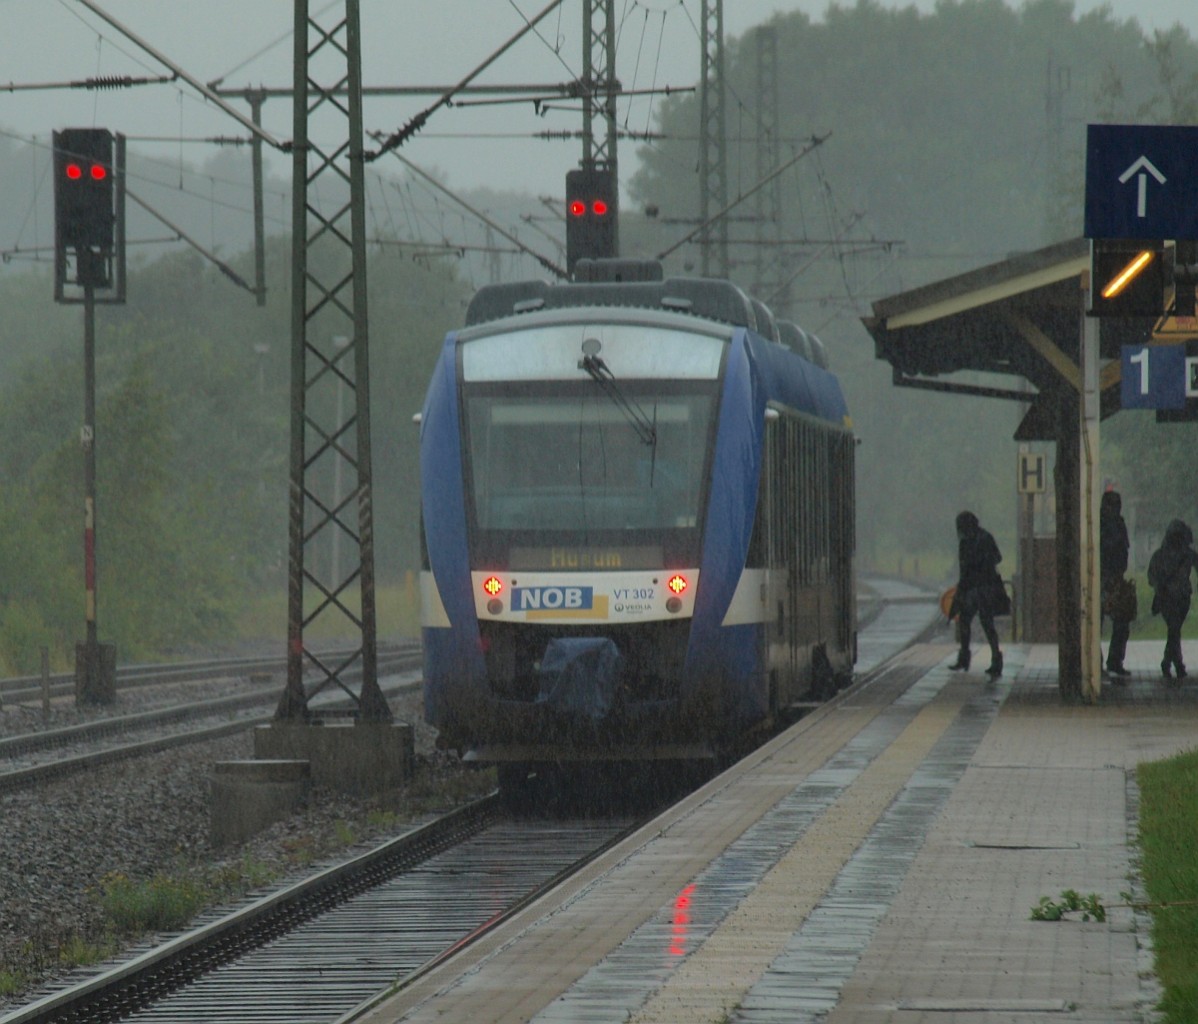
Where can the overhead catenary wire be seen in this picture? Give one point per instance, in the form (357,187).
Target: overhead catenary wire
(220,264)
(398,138)
(814,143)
(96,82)
(190,79)
(547,263)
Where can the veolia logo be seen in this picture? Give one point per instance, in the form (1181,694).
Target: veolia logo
(527,599)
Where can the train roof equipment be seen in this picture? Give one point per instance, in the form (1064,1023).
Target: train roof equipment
(620,282)
(625,286)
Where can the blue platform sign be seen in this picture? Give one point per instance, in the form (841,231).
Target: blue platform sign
(1141,181)
(1154,377)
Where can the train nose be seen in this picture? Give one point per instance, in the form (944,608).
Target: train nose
(580,675)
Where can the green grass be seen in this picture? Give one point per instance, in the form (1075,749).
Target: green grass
(77,951)
(162,903)
(12,982)
(1168,838)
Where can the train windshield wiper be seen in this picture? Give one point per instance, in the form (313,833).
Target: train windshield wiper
(646,428)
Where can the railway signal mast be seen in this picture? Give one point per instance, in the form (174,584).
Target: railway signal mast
(89,267)
(592,191)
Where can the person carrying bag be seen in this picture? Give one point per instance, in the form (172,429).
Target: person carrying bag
(1169,576)
(980,590)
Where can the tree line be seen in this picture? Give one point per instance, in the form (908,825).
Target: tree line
(953,139)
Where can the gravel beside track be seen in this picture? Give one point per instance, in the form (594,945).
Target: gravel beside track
(151,817)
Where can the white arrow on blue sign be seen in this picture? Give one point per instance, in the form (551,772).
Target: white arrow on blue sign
(1141,181)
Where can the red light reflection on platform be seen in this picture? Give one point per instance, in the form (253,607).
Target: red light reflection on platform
(682,920)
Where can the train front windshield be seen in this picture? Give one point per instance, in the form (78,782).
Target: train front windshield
(578,463)
(622,464)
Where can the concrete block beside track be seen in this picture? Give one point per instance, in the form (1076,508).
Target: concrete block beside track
(247,796)
(359,759)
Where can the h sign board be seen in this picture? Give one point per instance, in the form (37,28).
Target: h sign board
(1031,477)
(1141,181)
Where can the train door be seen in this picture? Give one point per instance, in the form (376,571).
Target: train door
(781,517)
(762,556)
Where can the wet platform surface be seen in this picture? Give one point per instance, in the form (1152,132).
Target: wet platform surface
(879,862)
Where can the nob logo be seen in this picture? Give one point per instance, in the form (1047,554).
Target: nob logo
(527,599)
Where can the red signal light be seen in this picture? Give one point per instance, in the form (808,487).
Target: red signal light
(493,585)
(578,208)
(677,583)
(97,172)
(599,208)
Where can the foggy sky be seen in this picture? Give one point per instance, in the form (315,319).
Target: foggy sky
(405,42)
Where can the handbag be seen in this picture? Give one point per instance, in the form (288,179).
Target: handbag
(1000,599)
(1120,600)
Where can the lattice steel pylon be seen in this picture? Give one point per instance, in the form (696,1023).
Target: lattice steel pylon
(599,80)
(713,140)
(330,379)
(767,212)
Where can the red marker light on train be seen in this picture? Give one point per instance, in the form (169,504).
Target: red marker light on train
(677,583)
(493,585)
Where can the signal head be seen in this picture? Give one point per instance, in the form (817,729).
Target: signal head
(592,207)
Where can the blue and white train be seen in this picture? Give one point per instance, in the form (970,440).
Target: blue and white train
(637,520)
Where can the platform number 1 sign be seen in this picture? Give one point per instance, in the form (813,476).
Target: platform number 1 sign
(1158,377)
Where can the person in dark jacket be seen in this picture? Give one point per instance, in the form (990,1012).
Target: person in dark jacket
(1113,546)
(1169,576)
(980,590)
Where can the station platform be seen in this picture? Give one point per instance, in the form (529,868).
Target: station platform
(879,861)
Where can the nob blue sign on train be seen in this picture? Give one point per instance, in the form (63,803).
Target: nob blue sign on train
(1141,181)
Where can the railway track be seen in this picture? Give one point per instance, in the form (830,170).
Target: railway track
(29,758)
(317,949)
(322,948)
(20,690)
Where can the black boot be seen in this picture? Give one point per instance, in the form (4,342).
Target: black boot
(962,662)
(995,668)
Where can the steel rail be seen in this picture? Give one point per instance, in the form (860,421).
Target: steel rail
(23,777)
(22,688)
(84,732)
(123,988)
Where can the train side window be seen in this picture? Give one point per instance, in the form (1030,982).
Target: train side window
(760,540)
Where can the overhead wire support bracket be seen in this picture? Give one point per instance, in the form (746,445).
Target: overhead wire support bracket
(223,267)
(398,138)
(102,82)
(545,262)
(191,80)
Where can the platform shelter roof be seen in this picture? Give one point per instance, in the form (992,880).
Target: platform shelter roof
(1021,318)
